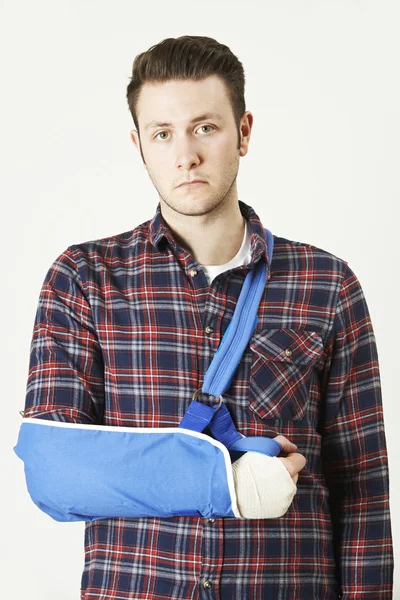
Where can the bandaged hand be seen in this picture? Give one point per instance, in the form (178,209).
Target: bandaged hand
(265,485)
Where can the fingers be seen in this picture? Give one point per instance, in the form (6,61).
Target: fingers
(294,463)
(287,445)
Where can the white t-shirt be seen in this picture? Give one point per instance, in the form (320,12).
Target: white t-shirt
(243,257)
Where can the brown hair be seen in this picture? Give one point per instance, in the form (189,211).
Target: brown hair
(188,57)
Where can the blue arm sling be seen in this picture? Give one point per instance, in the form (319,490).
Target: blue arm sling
(84,472)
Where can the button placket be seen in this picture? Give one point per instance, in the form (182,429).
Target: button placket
(210,572)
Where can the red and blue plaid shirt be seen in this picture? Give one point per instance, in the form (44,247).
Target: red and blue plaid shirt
(125,329)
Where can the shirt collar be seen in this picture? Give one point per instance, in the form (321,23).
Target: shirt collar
(160,233)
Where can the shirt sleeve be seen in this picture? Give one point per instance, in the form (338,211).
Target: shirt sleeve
(354,455)
(66,369)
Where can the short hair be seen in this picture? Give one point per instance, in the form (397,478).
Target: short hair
(188,57)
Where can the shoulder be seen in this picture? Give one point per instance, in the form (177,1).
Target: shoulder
(86,261)
(113,244)
(307,259)
(107,252)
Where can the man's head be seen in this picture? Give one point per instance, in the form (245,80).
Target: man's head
(173,83)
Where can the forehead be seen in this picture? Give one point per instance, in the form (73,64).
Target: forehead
(178,102)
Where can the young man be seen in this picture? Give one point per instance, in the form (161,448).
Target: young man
(128,325)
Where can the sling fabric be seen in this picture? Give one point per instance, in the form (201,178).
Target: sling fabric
(160,472)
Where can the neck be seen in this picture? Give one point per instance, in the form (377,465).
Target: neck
(213,238)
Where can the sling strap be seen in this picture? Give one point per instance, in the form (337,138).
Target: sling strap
(220,373)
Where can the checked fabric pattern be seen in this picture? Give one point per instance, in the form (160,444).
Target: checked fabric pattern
(125,328)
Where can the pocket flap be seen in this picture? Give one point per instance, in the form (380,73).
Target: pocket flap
(287,345)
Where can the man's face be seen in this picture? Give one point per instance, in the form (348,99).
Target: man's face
(206,149)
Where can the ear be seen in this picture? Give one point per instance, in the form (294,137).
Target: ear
(134,137)
(136,140)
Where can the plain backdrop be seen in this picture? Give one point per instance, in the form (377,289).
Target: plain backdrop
(322,83)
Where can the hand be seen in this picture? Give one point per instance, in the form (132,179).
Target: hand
(293,461)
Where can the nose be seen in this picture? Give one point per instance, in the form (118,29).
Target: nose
(187,155)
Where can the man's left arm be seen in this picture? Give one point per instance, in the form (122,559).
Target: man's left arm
(354,455)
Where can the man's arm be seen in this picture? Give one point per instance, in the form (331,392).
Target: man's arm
(66,371)
(80,473)
(354,454)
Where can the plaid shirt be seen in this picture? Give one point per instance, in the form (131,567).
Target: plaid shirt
(125,329)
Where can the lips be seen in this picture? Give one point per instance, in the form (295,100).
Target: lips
(191,182)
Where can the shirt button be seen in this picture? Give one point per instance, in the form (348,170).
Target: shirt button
(193,272)
(207,585)
(209,329)
(210,520)
(288,352)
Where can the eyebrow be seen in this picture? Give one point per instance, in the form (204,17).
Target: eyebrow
(203,117)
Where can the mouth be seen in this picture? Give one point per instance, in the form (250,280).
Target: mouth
(192,184)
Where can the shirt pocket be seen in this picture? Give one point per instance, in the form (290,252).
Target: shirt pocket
(283,365)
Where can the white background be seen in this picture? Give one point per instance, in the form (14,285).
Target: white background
(322,82)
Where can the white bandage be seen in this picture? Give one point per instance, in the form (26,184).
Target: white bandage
(264,487)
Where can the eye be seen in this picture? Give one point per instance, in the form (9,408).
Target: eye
(207,126)
(201,126)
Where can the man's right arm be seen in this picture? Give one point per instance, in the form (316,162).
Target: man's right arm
(66,370)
